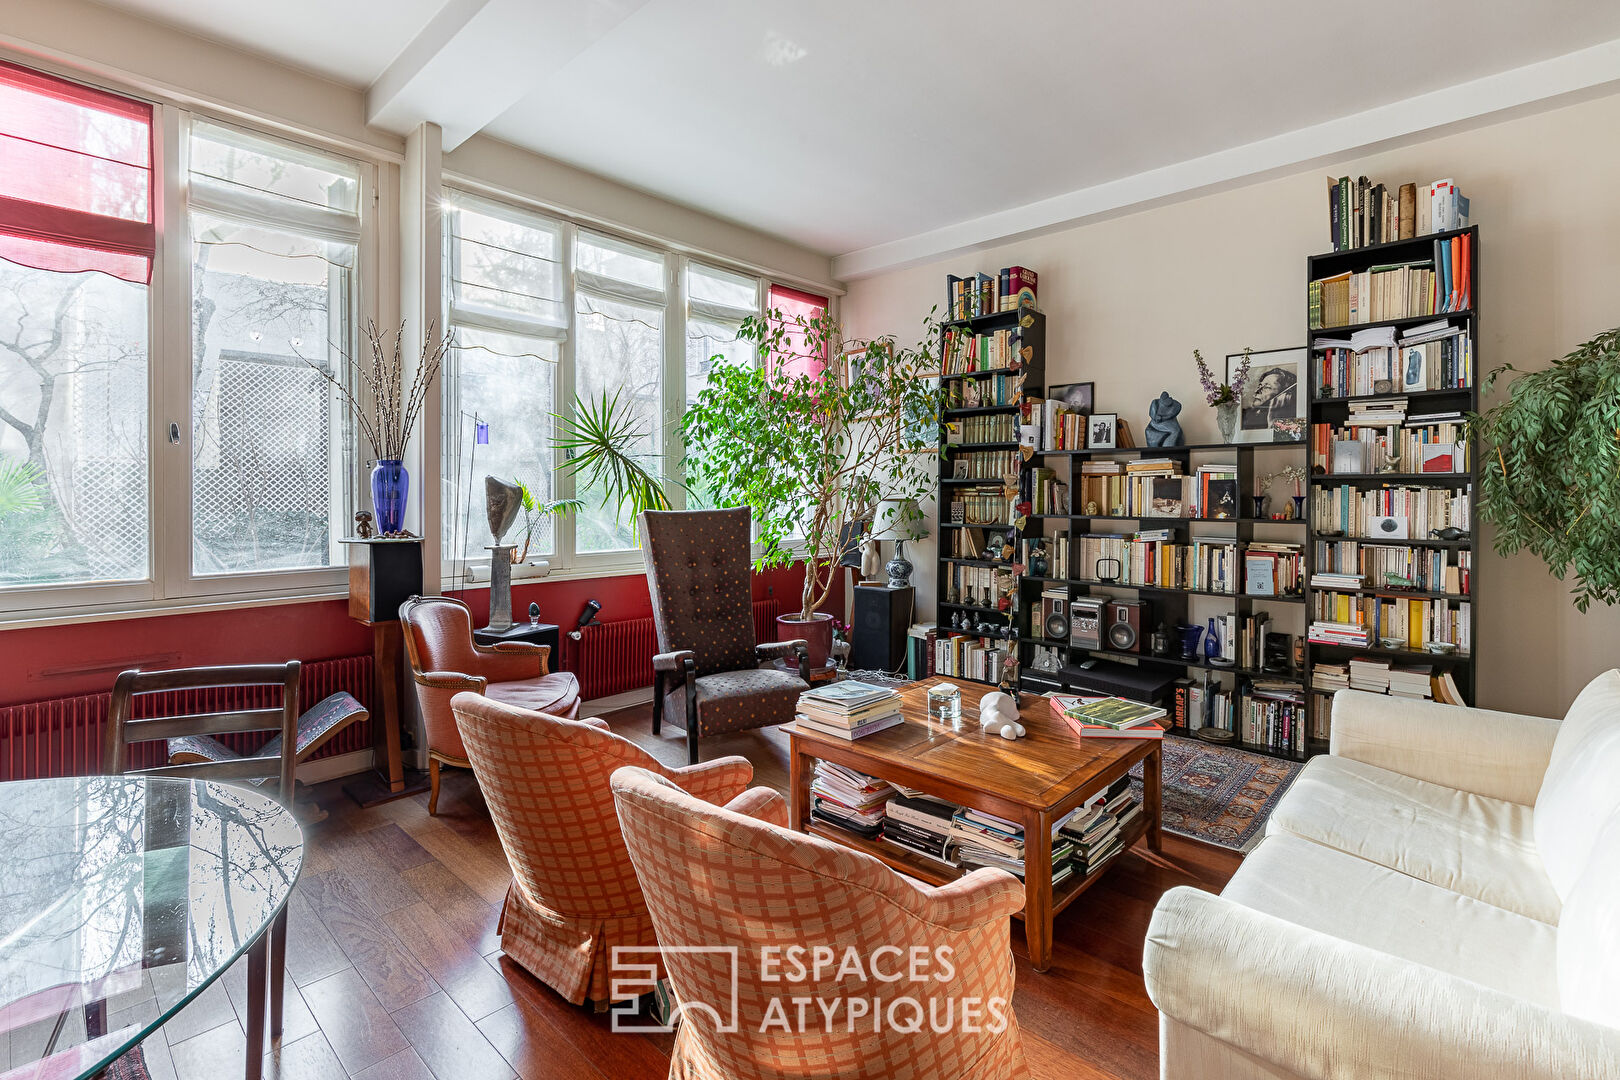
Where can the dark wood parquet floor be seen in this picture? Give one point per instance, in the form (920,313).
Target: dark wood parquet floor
(396,970)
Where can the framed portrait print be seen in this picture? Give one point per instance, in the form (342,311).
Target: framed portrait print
(1077,397)
(1274,390)
(1102,431)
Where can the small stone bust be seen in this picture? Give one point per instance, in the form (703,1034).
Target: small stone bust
(1163,429)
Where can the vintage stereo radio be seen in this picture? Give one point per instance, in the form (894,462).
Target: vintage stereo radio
(1086,622)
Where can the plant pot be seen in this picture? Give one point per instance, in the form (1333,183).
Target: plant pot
(817,634)
(1226,418)
(390,489)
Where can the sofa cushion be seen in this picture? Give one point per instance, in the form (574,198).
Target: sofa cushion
(1579,791)
(1467,843)
(1326,890)
(1589,935)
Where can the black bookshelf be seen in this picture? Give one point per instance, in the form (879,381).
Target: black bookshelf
(1026,380)
(1334,410)
(1172,606)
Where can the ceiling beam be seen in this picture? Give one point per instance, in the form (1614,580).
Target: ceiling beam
(477,58)
(1540,84)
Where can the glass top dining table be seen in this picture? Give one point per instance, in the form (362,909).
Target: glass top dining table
(121,899)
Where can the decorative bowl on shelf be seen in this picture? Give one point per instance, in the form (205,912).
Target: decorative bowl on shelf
(1391,642)
(1440,648)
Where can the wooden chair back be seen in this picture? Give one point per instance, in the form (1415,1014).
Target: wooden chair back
(124,730)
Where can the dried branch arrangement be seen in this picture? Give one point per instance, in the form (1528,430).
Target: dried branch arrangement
(388,425)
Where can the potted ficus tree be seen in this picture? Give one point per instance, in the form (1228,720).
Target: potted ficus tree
(812,447)
(1549,480)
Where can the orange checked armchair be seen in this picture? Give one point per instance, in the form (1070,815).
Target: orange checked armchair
(574,894)
(707,668)
(445,661)
(718,880)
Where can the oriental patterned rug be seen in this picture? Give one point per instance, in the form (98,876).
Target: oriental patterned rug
(1219,794)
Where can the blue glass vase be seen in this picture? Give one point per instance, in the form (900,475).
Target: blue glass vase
(1189,641)
(390,487)
(1212,643)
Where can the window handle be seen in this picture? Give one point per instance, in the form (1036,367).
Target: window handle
(174,433)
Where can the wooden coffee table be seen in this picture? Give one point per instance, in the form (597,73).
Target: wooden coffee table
(1034,780)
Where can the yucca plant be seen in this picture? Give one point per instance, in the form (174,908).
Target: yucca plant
(1550,476)
(597,444)
(536,509)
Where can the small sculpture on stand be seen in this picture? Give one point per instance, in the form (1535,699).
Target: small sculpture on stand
(502,502)
(1163,429)
(362,524)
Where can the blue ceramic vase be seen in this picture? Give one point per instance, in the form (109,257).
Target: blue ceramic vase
(1212,643)
(390,488)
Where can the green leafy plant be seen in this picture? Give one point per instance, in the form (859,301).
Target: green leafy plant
(599,444)
(1550,478)
(535,510)
(21,486)
(811,453)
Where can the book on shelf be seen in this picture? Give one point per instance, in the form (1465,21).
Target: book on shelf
(1274,716)
(1390,513)
(1362,212)
(920,639)
(1437,285)
(1272,568)
(1336,633)
(1444,689)
(1387,566)
(1413,623)
(849,799)
(1371,438)
(1009,289)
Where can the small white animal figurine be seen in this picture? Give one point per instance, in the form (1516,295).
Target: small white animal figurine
(999,714)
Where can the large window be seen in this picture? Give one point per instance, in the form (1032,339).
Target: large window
(275,232)
(245,485)
(505,291)
(76,244)
(546,314)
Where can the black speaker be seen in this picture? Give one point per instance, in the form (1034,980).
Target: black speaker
(877,640)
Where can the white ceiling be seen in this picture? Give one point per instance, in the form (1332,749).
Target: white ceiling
(845,124)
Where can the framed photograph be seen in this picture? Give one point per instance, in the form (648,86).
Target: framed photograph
(1077,397)
(1272,392)
(1101,431)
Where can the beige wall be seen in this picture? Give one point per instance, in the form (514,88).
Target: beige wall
(1128,299)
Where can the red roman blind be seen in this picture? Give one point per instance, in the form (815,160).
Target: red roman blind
(75,177)
(792,302)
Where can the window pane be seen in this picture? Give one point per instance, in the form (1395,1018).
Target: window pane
(505,268)
(619,350)
(73,442)
(706,339)
(619,260)
(267,489)
(710,285)
(508,383)
(249,164)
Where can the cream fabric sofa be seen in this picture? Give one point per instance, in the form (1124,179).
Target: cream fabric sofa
(1439,896)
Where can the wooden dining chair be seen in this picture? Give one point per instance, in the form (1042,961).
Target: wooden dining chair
(124,730)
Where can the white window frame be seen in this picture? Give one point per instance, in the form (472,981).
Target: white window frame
(170,583)
(566,560)
(455,566)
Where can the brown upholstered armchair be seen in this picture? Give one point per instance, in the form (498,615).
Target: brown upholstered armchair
(445,661)
(707,667)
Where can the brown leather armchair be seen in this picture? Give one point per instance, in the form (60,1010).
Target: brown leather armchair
(445,661)
(707,667)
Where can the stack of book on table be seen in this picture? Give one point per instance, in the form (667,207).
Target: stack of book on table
(983,839)
(1097,828)
(921,824)
(849,709)
(1109,717)
(849,799)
